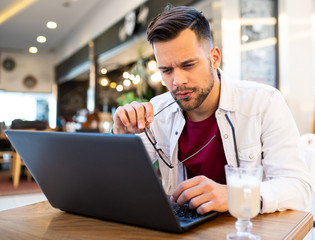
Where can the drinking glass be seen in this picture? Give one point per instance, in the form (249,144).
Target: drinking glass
(243,198)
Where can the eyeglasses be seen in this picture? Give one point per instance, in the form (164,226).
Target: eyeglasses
(160,152)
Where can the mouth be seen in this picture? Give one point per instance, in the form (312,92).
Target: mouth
(183,95)
(183,98)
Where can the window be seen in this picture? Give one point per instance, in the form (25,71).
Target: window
(259,41)
(27,106)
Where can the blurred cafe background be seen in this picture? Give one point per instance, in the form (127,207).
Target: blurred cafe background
(67,65)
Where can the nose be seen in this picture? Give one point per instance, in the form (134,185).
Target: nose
(179,77)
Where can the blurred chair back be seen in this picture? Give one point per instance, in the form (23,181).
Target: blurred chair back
(21,124)
(17,162)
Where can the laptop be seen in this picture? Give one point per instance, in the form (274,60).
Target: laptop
(104,176)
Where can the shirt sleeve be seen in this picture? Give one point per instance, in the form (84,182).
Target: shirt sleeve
(286,183)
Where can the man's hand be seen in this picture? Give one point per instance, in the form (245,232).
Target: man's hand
(131,118)
(203,194)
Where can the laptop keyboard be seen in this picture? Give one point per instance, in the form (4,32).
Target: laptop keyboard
(184,212)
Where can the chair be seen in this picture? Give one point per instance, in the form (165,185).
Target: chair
(16,162)
(6,156)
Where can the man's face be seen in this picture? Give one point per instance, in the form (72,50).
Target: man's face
(186,68)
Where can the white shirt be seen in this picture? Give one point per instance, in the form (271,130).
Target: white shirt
(266,134)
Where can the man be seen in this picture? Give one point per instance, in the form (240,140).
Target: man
(193,138)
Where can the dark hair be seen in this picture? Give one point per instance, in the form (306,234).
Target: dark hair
(168,24)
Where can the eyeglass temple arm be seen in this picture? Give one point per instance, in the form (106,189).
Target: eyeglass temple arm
(234,140)
(170,105)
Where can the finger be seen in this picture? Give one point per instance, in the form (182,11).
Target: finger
(125,120)
(140,114)
(189,194)
(131,115)
(214,197)
(180,194)
(202,198)
(148,111)
(205,207)
(120,118)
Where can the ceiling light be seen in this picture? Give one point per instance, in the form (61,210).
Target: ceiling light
(51,25)
(91,44)
(245,38)
(33,50)
(113,85)
(119,88)
(136,80)
(126,75)
(104,82)
(103,71)
(152,65)
(41,39)
(127,82)
(156,77)
(132,77)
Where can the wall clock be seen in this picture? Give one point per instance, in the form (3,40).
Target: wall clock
(29,81)
(8,64)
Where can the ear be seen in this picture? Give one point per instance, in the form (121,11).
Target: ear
(215,55)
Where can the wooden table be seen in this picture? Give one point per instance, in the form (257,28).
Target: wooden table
(41,221)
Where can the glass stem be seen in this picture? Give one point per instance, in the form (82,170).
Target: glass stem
(243,225)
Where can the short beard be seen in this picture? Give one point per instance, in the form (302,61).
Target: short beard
(204,93)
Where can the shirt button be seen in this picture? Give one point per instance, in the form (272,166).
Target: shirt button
(176,133)
(251,156)
(226,136)
(219,112)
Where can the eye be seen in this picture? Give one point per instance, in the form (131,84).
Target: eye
(166,70)
(188,65)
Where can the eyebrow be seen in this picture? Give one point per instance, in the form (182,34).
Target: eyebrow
(189,61)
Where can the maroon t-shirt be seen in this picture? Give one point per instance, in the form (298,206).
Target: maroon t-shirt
(209,161)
